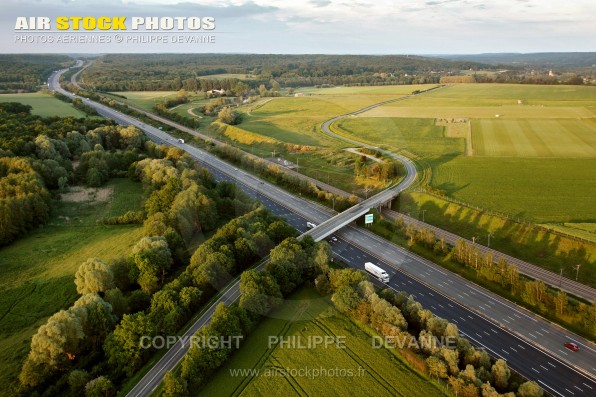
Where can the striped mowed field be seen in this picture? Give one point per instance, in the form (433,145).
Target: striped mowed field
(570,138)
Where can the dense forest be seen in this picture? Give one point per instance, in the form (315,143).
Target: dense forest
(36,161)
(25,73)
(144,72)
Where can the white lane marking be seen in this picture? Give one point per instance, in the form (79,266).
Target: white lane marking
(486,333)
(462,319)
(494,330)
(570,391)
(449,304)
(539,333)
(513,349)
(431,294)
(578,388)
(480,336)
(545,385)
(523,348)
(506,352)
(509,322)
(470,317)
(563,352)
(533,336)
(588,386)
(544,367)
(535,370)
(551,364)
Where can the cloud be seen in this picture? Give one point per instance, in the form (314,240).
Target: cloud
(320,3)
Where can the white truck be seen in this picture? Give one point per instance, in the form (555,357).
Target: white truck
(377,272)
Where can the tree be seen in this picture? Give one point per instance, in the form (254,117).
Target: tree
(259,292)
(153,259)
(173,386)
(322,257)
(451,358)
(58,339)
(345,298)
(100,387)
(561,301)
(98,321)
(501,374)
(228,116)
(94,276)
(436,367)
(529,389)
(77,380)
(123,346)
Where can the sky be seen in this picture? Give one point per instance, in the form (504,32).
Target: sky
(318,26)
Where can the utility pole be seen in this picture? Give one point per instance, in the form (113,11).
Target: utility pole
(473,239)
(489,236)
(423,211)
(577,272)
(273,154)
(561,277)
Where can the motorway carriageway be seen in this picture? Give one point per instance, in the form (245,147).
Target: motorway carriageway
(555,376)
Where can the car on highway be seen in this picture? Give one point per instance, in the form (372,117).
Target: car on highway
(333,239)
(310,225)
(572,346)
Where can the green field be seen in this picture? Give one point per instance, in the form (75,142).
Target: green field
(144,99)
(358,368)
(37,271)
(534,162)
(420,136)
(542,190)
(393,90)
(43,104)
(571,138)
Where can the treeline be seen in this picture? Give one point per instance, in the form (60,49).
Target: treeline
(291,264)
(149,72)
(431,343)
(26,72)
(281,178)
(77,103)
(498,274)
(155,289)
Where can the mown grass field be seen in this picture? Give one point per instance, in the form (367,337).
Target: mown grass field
(43,104)
(420,136)
(358,368)
(571,138)
(541,190)
(37,271)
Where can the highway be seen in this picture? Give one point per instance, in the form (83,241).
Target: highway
(555,280)
(543,359)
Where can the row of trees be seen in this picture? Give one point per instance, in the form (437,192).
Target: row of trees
(498,272)
(282,178)
(291,263)
(470,372)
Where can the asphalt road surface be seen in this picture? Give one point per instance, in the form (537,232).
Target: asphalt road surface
(531,346)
